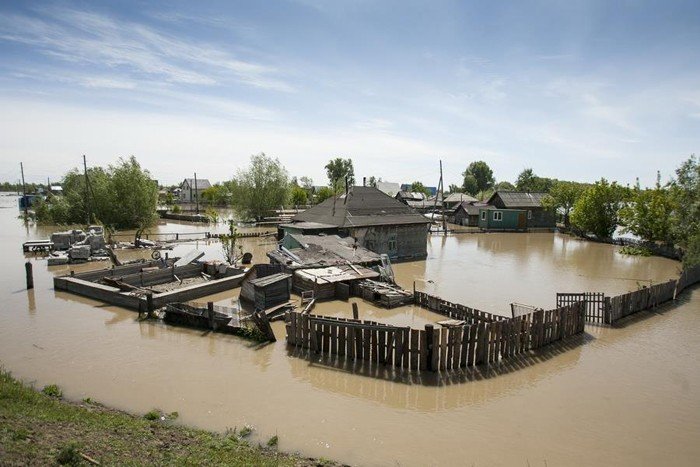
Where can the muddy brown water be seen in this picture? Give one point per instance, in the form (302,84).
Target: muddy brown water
(622,396)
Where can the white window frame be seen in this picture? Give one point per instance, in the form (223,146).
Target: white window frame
(529,214)
(497,216)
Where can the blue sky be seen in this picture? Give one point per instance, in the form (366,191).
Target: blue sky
(575,90)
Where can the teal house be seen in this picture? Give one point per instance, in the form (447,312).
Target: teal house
(493,218)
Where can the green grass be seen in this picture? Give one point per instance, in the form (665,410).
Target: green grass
(41,429)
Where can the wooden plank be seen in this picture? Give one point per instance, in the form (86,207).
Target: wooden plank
(423,350)
(341,340)
(334,340)
(375,348)
(406,341)
(350,343)
(450,348)
(443,348)
(472,344)
(398,348)
(366,344)
(436,350)
(414,348)
(464,346)
(382,347)
(481,343)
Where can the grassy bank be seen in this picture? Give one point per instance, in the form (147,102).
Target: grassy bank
(40,428)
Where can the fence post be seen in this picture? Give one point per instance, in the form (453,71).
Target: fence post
(29,274)
(210,315)
(429,346)
(355,312)
(149,302)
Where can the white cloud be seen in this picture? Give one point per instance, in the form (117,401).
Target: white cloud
(130,49)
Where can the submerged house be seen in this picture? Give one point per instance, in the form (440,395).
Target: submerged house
(453,200)
(467,213)
(191,189)
(515,211)
(375,220)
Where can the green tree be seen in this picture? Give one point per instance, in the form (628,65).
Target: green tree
(324,193)
(596,210)
(649,213)
(563,196)
(299,196)
(338,170)
(528,182)
(483,178)
(685,190)
(123,196)
(261,188)
(504,186)
(217,194)
(418,187)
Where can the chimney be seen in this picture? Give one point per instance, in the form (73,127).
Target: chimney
(364,181)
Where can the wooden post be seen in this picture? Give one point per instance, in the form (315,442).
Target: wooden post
(30,275)
(149,302)
(429,347)
(355,311)
(210,314)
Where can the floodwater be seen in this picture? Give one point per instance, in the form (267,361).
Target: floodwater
(623,396)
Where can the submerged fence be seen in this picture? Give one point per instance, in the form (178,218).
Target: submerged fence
(489,340)
(608,310)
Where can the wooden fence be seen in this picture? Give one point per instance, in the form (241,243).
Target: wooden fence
(607,310)
(433,349)
(454,310)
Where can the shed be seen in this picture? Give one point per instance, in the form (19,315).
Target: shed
(327,283)
(269,291)
(467,213)
(491,218)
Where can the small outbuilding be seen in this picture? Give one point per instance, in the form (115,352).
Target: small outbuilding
(269,291)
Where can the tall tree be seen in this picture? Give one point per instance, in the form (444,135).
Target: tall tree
(122,196)
(685,190)
(261,188)
(528,182)
(504,186)
(338,170)
(563,196)
(597,209)
(469,185)
(483,175)
(418,187)
(648,214)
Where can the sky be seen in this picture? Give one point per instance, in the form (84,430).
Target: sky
(575,90)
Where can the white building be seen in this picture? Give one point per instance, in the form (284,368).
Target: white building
(189,193)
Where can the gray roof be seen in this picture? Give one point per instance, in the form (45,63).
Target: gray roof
(322,251)
(516,199)
(459,198)
(308,226)
(271,279)
(362,207)
(471,208)
(411,195)
(202,183)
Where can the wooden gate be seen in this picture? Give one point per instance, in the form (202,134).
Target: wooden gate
(597,310)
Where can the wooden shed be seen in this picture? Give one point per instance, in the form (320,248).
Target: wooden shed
(266,292)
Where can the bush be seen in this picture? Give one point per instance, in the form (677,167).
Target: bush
(152,415)
(272,442)
(69,454)
(52,390)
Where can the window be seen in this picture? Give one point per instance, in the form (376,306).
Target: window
(497,216)
(529,214)
(392,242)
(483,215)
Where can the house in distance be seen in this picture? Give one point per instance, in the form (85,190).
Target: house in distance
(375,220)
(512,210)
(191,189)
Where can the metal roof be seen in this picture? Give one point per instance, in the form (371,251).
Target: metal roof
(516,199)
(459,198)
(202,183)
(361,207)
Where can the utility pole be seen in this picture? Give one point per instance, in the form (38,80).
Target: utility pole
(87,192)
(25,201)
(196,193)
(442,192)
